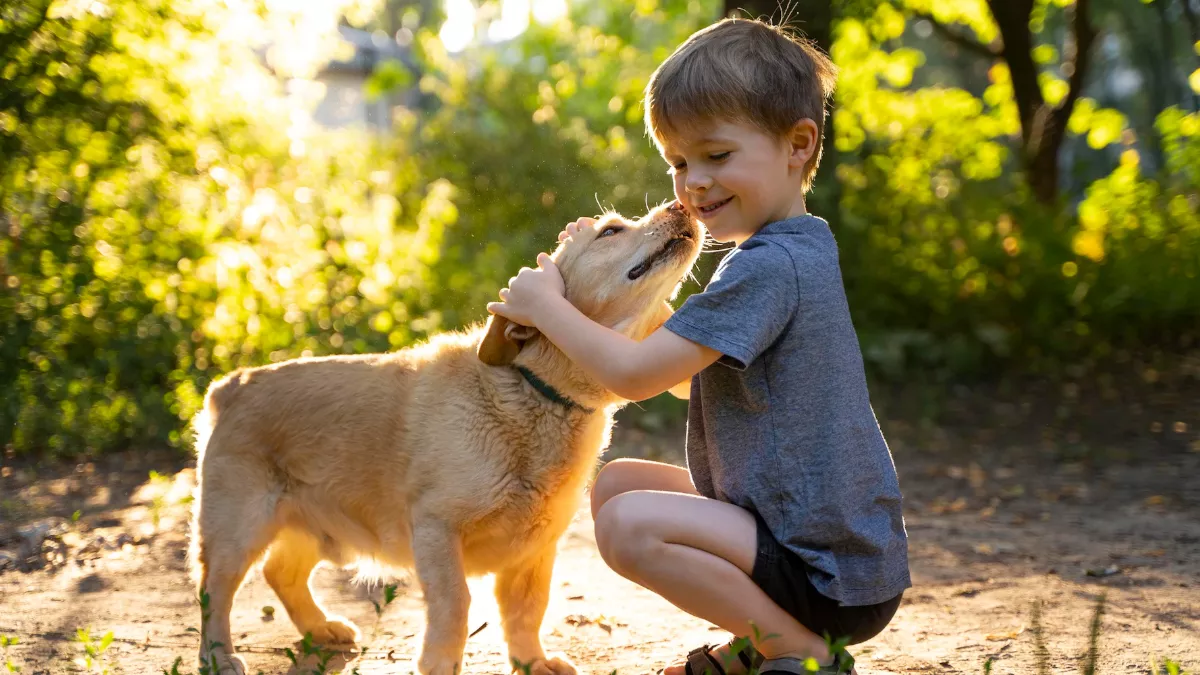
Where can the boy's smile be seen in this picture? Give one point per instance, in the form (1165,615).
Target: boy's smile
(734,178)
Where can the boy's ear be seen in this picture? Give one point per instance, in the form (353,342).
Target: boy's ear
(804,141)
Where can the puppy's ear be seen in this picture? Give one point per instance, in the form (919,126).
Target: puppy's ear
(503,341)
(518,333)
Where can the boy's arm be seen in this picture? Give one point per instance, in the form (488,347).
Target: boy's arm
(630,369)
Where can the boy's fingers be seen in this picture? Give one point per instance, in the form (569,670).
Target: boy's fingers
(496,308)
(543,260)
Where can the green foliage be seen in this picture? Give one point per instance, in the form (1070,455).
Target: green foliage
(537,132)
(152,241)
(168,213)
(951,266)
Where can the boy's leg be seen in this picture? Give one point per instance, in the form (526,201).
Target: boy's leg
(699,553)
(625,475)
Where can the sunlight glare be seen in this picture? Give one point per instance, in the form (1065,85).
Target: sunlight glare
(514,19)
(459,29)
(549,11)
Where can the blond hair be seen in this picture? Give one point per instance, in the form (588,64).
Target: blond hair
(744,71)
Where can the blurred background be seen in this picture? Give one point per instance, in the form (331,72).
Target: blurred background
(190,186)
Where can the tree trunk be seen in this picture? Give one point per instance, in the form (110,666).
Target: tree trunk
(814,18)
(1043,126)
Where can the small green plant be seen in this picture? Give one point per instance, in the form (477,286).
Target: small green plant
(93,651)
(6,642)
(1169,667)
(1089,667)
(158,503)
(389,594)
(208,661)
(321,654)
(1040,653)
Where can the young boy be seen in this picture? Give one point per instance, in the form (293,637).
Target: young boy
(787,523)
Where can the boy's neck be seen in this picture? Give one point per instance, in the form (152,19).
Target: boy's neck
(799,208)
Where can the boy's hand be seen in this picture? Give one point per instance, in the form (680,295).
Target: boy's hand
(529,291)
(574,228)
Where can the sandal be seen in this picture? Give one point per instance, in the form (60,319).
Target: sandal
(701,660)
(842,663)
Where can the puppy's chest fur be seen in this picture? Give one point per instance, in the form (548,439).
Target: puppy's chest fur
(534,494)
(517,470)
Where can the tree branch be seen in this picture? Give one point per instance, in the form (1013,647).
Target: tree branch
(1083,36)
(994,50)
(1191,19)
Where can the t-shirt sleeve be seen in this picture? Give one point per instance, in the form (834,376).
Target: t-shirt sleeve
(747,304)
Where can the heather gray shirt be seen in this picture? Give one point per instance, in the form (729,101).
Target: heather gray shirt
(782,425)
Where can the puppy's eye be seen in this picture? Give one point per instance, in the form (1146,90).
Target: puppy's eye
(609,231)
(719,156)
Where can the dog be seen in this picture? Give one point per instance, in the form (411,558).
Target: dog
(465,455)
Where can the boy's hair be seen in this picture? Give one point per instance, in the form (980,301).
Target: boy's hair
(738,70)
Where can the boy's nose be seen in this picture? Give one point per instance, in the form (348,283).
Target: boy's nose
(697,182)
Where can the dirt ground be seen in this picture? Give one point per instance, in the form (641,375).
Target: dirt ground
(997,522)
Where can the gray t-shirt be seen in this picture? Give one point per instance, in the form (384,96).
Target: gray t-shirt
(782,424)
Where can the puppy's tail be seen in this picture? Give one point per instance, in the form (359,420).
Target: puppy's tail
(219,397)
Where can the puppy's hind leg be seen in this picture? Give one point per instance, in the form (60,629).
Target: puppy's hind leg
(293,556)
(235,521)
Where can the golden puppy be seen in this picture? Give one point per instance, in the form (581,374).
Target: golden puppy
(462,456)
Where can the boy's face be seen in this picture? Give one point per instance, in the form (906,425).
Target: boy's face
(734,178)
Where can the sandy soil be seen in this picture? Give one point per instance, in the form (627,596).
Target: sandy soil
(993,530)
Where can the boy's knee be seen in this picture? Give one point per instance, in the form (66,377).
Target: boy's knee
(607,485)
(623,533)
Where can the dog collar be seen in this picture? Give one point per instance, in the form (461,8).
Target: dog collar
(550,392)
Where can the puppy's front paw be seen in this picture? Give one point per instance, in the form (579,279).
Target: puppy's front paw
(334,632)
(551,666)
(432,665)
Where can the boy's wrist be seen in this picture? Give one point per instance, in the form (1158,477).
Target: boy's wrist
(543,311)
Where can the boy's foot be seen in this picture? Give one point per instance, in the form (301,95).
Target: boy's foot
(842,664)
(710,660)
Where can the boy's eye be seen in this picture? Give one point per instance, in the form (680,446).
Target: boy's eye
(609,231)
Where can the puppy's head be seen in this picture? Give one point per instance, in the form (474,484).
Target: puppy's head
(619,273)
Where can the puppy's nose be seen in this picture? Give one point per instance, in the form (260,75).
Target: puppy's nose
(675,206)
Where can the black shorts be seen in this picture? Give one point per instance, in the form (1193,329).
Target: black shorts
(784,577)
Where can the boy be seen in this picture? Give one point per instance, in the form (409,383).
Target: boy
(787,523)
